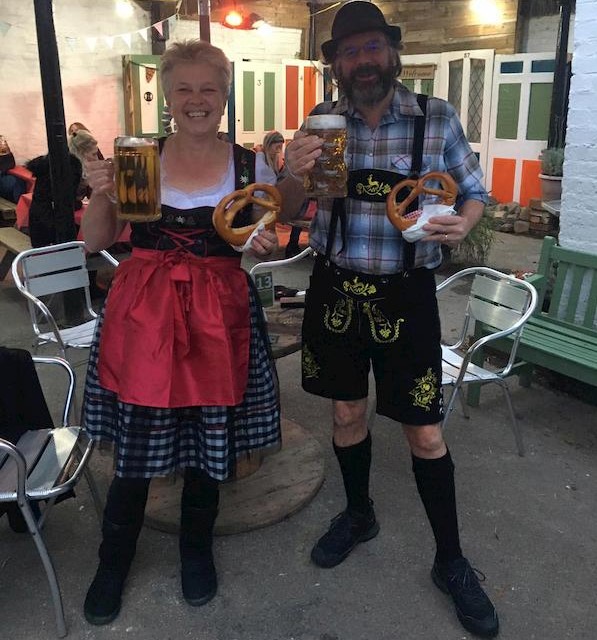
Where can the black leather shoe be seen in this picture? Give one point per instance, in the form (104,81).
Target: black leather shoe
(345,532)
(473,608)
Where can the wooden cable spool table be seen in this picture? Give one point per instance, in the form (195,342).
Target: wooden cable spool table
(266,490)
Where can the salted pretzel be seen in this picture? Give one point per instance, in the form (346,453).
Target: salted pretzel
(230,205)
(396,211)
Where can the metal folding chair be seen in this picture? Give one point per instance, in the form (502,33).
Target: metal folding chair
(502,304)
(45,271)
(43,465)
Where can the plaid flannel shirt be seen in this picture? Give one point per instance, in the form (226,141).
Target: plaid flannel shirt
(373,245)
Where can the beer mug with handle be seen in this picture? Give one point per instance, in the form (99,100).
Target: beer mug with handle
(329,176)
(137,176)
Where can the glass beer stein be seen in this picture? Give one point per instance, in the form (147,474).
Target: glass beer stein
(329,176)
(137,176)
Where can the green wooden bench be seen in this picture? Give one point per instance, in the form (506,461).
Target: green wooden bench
(562,333)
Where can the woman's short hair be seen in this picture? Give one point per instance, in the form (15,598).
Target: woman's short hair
(189,51)
(81,142)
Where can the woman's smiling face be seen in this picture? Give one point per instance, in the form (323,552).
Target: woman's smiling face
(196,98)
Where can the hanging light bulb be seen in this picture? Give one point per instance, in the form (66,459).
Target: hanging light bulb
(486,11)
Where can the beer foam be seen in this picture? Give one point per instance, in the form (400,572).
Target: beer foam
(131,141)
(327,121)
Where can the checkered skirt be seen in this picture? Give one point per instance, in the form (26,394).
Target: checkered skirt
(150,441)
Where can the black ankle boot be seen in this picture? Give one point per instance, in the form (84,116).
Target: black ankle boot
(198,573)
(116,554)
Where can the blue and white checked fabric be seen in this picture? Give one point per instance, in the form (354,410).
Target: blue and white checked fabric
(157,442)
(373,244)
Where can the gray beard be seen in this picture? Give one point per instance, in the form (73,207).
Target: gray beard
(369,96)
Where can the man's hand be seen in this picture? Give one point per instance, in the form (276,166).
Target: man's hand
(302,152)
(100,177)
(452,230)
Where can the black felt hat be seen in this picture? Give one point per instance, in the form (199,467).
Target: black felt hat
(357,17)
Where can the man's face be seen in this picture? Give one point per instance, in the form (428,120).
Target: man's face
(365,67)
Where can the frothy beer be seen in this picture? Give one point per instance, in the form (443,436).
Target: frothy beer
(329,175)
(137,172)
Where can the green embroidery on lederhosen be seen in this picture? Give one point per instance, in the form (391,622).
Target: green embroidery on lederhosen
(382,330)
(425,390)
(338,320)
(244,173)
(359,288)
(373,187)
(310,367)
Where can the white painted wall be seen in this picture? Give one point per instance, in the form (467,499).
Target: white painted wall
(541,34)
(578,217)
(92,79)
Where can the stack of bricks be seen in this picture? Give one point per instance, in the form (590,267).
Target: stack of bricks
(541,222)
(512,218)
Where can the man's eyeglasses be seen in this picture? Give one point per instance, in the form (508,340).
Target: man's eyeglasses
(372,48)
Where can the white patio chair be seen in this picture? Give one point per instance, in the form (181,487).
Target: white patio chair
(501,304)
(43,465)
(45,271)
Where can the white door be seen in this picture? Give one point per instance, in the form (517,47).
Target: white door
(466,82)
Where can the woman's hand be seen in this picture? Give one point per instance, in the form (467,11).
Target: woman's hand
(100,177)
(264,243)
(301,153)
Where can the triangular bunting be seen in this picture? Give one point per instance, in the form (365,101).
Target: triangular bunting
(126,37)
(71,42)
(159,27)
(4,27)
(144,33)
(91,43)
(109,41)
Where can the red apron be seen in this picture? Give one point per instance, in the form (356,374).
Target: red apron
(176,331)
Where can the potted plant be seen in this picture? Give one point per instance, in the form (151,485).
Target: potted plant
(552,163)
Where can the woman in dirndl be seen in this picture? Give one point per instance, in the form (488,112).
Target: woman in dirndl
(180,376)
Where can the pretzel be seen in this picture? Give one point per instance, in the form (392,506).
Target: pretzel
(230,205)
(396,211)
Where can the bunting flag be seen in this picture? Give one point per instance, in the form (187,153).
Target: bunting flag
(149,73)
(92,41)
(126,38)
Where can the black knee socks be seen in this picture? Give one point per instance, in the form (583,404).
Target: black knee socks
(355,462)
(435,482)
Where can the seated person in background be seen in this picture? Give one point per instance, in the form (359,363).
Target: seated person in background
(42,227)
(83,146)
(11,187)
(75,127)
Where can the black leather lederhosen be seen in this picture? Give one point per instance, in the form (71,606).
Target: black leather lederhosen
(357,178)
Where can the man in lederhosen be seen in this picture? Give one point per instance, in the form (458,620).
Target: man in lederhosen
(372,295)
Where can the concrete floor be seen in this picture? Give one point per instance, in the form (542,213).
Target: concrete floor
(527,523)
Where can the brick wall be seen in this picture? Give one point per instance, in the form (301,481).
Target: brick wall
(578,218)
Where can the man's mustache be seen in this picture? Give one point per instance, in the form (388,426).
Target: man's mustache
(366,70)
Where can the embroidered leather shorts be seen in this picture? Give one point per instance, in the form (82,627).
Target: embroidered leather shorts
(353,321)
